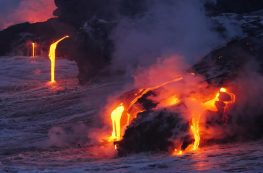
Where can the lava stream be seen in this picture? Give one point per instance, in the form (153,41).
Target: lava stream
(117,113)
(116,120)
(52,57)
(33,49)
(196,107)
(196,133)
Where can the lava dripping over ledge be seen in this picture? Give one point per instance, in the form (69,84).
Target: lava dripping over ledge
(173,123)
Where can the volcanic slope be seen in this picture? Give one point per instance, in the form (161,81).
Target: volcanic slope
(30,108)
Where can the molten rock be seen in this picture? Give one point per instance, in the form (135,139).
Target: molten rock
(155,131)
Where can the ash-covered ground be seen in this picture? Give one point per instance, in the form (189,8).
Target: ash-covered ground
(43,128)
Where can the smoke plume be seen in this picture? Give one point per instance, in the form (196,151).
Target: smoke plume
(68,135)
(166,28)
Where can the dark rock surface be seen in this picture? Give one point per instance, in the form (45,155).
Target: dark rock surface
(238,6)
(224,64)
(78,12)
(14,38)
(155,131)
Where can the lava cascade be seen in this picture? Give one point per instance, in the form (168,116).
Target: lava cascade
(52,57)
(198,105)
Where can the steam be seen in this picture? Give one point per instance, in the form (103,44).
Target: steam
(167,28)
(19,11)
(163,70)
(165,41)
(162,44)
(68,136)
(247,115)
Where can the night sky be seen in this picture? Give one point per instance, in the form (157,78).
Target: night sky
(6,6)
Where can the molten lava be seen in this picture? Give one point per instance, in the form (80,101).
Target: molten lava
(233,96)
(144,91)
(33,50)
(52,57)
(116,122)
(196,103)
(177,152)
(196,133)
(171,101)
(117,113)
(210,105)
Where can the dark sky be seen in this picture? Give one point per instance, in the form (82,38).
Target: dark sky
(7,6)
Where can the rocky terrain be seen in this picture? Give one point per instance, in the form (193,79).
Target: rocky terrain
(44,128)
(90,23)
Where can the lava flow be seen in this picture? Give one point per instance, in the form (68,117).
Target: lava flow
(117,113)
(52,57)
(33,49)
(116,119)
(196,104)
(210,105)
(196,133)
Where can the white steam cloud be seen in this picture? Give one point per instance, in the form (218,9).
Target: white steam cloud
(167,28)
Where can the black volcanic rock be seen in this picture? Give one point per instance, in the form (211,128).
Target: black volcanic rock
(155,131)
(133,8)
(78,12)
(237,6)
(224,64)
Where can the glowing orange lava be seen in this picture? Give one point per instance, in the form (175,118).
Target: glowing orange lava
(209,105)
(197,105)
(144,91)
(177,152)
(116,122)
(33,49)
(196,133)
(170,101)
(117,113)
(52,57)
(232,95)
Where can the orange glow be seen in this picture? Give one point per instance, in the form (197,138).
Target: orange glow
(171,101)
(223,90)
(144,91)
(233,96)
(197,103)
(117,113)
(196,133)
(52,57)
(210,105)
(33,49)
(177,152)
(116,122)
